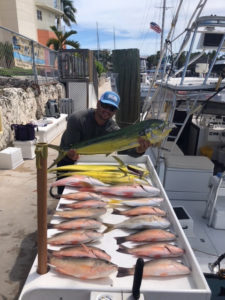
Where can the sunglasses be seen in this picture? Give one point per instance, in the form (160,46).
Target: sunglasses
(108,106)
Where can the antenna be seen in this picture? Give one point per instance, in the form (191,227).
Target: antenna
(98,44)
(163,21)
(114,38)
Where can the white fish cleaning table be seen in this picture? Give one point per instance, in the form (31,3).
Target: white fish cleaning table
(53,285)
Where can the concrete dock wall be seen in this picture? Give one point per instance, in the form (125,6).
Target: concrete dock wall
(23,102)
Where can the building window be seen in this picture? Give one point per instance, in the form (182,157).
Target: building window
(39,14)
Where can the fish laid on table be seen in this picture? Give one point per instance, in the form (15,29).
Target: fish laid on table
(81,223)
(158,268)
(142,210)
(113,178)
(148,235)
(154,250)
(81,213)
(83,268)
(140,222)
(127,191)
(125,138)
(82,251)
(73,237)
(78,181)
(84,204)
(156,201)
(102,168)
(82,196)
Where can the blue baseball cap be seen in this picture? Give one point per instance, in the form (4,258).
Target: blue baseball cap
(110,98)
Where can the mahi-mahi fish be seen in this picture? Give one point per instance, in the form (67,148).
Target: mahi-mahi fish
(158,268)
(83,268)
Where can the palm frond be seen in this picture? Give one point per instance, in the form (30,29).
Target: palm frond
(68,34)
(73,44)
(69,12)
(53,42)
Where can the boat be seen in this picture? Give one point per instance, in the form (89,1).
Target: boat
(191,161)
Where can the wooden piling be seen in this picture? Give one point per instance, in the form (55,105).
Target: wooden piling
(41,165)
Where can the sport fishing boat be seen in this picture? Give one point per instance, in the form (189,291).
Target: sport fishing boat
(191,161)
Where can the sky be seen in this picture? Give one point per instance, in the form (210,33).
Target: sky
(123,24)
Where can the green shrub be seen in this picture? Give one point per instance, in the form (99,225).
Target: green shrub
(99,67)
(15,71)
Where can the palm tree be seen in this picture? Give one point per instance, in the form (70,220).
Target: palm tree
(62,39)
(69,13)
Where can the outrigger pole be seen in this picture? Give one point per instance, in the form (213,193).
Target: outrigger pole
(41,152)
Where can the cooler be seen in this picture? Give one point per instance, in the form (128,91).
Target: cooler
(10,158)
(27,148)
(187,177)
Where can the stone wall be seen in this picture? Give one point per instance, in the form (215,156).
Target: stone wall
(24,103)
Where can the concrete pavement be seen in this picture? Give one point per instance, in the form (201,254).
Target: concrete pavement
(18,223)
(18,220)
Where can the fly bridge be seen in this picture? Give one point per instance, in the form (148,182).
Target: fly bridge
(78,72)
(178,98)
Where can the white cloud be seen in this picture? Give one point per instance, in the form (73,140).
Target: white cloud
(131,19)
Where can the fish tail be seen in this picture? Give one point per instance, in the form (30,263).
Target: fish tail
(114,201)
(116,211)
(50,251)
(110,227)
(120,239)
(123,249)
(122,272)
(62,206)
(50,226)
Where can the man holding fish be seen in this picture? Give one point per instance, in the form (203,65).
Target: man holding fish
(91,123)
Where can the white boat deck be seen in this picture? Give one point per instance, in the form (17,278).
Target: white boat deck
(207,243)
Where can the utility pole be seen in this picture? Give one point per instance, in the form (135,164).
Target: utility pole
(98,44)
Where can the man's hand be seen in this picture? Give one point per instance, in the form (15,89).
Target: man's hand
(72,154)
(143,145)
